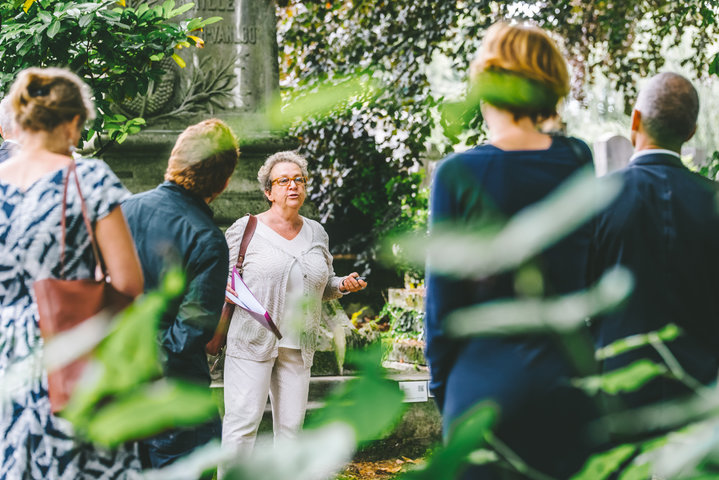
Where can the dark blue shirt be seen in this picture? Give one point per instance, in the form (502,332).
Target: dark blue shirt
(486,185)
(171,226)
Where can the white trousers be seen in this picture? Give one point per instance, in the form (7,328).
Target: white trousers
(247,384)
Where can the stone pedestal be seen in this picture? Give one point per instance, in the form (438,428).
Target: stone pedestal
(141,161)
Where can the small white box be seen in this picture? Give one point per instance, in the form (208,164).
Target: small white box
(414,391)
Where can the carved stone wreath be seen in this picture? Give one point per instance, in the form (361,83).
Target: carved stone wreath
(206,87)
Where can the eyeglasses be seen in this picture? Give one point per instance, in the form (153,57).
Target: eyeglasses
(300,181)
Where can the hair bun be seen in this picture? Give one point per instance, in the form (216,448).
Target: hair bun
(43,98)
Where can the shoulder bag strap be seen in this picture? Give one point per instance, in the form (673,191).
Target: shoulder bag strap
(246,237)
(219,340)
(86,220)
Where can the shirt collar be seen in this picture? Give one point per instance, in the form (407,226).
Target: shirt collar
(654,151)
(195,198)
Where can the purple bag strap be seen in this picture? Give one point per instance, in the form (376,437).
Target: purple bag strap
(86,220)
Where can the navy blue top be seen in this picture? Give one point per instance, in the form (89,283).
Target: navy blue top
(663,227)
(172,226)
(488,184)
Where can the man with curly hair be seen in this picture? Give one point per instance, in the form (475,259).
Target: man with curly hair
(172,225)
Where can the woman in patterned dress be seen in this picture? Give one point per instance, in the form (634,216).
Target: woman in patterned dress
(50,107)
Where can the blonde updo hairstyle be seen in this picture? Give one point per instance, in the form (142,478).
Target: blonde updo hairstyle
(43,98)
(526,51)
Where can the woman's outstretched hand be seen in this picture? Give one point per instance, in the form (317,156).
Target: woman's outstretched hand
(352,283)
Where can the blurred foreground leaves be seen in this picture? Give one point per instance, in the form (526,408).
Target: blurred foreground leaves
(320,101)
(535,315)
(118,398)
(468,434)
(362,409)
(357,401)
(481,251)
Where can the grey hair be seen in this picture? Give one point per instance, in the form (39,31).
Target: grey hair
(7,117)
(289,156)
(669,107)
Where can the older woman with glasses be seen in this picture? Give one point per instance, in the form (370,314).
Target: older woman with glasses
(288,268)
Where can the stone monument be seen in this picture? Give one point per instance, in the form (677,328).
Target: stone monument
(232,78)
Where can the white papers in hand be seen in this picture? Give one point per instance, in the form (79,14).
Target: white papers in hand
(248,302)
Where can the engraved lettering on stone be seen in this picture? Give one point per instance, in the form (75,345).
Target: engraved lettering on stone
(248,35)
(216,5)
(218,33)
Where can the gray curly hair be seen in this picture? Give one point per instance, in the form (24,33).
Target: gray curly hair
(289,156)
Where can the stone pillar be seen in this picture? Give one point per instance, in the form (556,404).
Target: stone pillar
(611,153)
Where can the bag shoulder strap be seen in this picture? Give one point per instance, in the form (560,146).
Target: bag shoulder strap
(246,237)
(86,220)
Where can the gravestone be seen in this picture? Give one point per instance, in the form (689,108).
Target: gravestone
(611,153)
(697,155)
(232,78)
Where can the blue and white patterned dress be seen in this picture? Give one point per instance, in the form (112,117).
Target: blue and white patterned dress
(34,444)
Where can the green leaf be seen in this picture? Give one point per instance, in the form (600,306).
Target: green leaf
(714,65)
(167,7)
(53,29)
(601,465)
(181,10)
(667,334)
(325,99)
(482,249)
(356,400)
(467,435)
(536,315)
(211,20)
(44,16)
(85,20)
(626,379)
(313,454)
(132,339)
(641,471)
(150,410)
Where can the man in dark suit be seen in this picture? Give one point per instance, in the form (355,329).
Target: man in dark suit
(664,228)
(7,130)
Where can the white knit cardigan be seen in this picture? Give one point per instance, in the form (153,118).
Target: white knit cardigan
(266,271)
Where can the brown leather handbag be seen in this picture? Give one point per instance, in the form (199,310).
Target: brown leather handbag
(63,304)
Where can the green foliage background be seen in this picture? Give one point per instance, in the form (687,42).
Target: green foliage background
(365,158)
(116,49)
